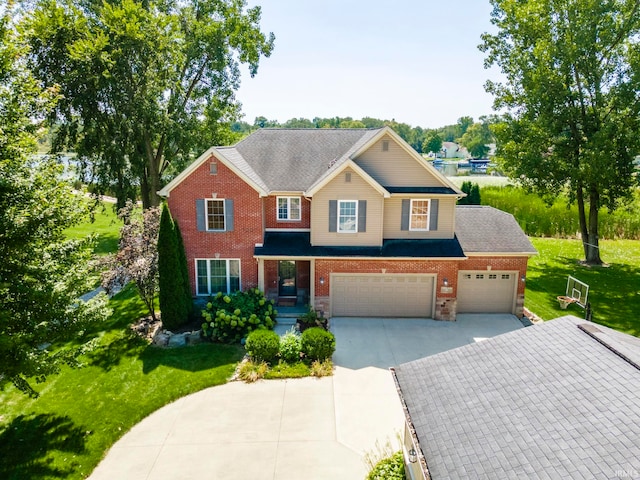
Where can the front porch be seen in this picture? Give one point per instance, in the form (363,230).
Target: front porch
(287,283)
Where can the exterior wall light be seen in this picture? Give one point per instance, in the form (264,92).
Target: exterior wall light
(321,280)
(413,458)
(523,278)
(445,282)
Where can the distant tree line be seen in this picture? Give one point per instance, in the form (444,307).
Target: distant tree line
(472,135)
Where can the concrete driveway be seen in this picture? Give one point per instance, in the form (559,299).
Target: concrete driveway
(290,429)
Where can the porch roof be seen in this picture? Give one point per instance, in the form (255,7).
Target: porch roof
(432,190)
(298,244)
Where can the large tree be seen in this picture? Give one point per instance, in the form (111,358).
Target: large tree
(476,139)
(42,274)
(144,84)
(572,101)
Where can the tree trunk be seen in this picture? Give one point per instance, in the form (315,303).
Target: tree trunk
(592,248)
(582,215)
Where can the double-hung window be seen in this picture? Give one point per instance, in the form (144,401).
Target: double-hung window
(215,214)
(217,275)
(419,215)
(288,208)
(347,216)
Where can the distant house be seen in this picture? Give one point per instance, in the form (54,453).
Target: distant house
(353,222)
(557,400)
(453,150)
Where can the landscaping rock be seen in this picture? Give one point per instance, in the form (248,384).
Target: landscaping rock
(193,338)
(178,340)
(161,339)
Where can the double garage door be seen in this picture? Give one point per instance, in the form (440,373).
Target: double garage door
(486,291)
(382,295)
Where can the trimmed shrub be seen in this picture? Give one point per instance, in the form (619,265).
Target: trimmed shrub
(263,345)
(290,347)
(391,468)
(317,344)
(173,304)
(230,318)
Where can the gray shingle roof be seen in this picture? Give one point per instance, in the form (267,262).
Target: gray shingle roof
(483,229)
(294,159)
(548,401)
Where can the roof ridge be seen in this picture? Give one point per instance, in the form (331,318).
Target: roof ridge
(592,330)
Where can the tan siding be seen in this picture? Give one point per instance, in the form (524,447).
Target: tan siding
(395,167)
(339,189)
(393,216)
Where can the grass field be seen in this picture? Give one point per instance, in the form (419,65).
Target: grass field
(82,412)
(614,290)
(105,226)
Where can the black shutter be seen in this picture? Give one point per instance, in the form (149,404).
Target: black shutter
(433,214)
(362,216)
(201,215)
(333,215)
(406,213)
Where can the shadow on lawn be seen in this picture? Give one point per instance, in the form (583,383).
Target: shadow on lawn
(191,358)
(27,440)
(613,291)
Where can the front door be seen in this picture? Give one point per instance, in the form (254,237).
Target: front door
(287,278)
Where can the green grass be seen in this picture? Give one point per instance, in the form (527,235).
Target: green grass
(105,225)
(614,290)
(288,370)
(81,412)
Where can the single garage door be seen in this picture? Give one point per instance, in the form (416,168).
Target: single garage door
(382,295)
(486,291)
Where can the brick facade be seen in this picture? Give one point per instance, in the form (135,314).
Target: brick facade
(238,243)
(271,215)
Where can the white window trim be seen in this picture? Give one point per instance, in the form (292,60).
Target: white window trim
(288,219)
(206,215)
(338,216)
(428,214)
(195,263)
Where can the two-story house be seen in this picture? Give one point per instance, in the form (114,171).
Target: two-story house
(352,221)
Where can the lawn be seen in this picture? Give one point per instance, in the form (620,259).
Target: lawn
(81,413)
(105,225)
(614,290)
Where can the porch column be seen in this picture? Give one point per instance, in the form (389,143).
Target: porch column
(312,282)
(261,274)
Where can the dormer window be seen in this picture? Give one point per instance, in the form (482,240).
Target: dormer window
(289,208)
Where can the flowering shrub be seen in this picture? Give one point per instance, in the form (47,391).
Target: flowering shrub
(230,318)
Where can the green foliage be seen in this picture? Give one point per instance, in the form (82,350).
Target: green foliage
(539,219)
(476,138)
(288,370)
(148,86)
(473,194)
(182,259)
(290,346)
(82,412)
(229,318)
(103,224)
(170,278)
(573,113)
(42,273)
(263,345)
(432,144)
(391,468)
(317,344)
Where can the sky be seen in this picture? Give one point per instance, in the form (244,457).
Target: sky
(415,61)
